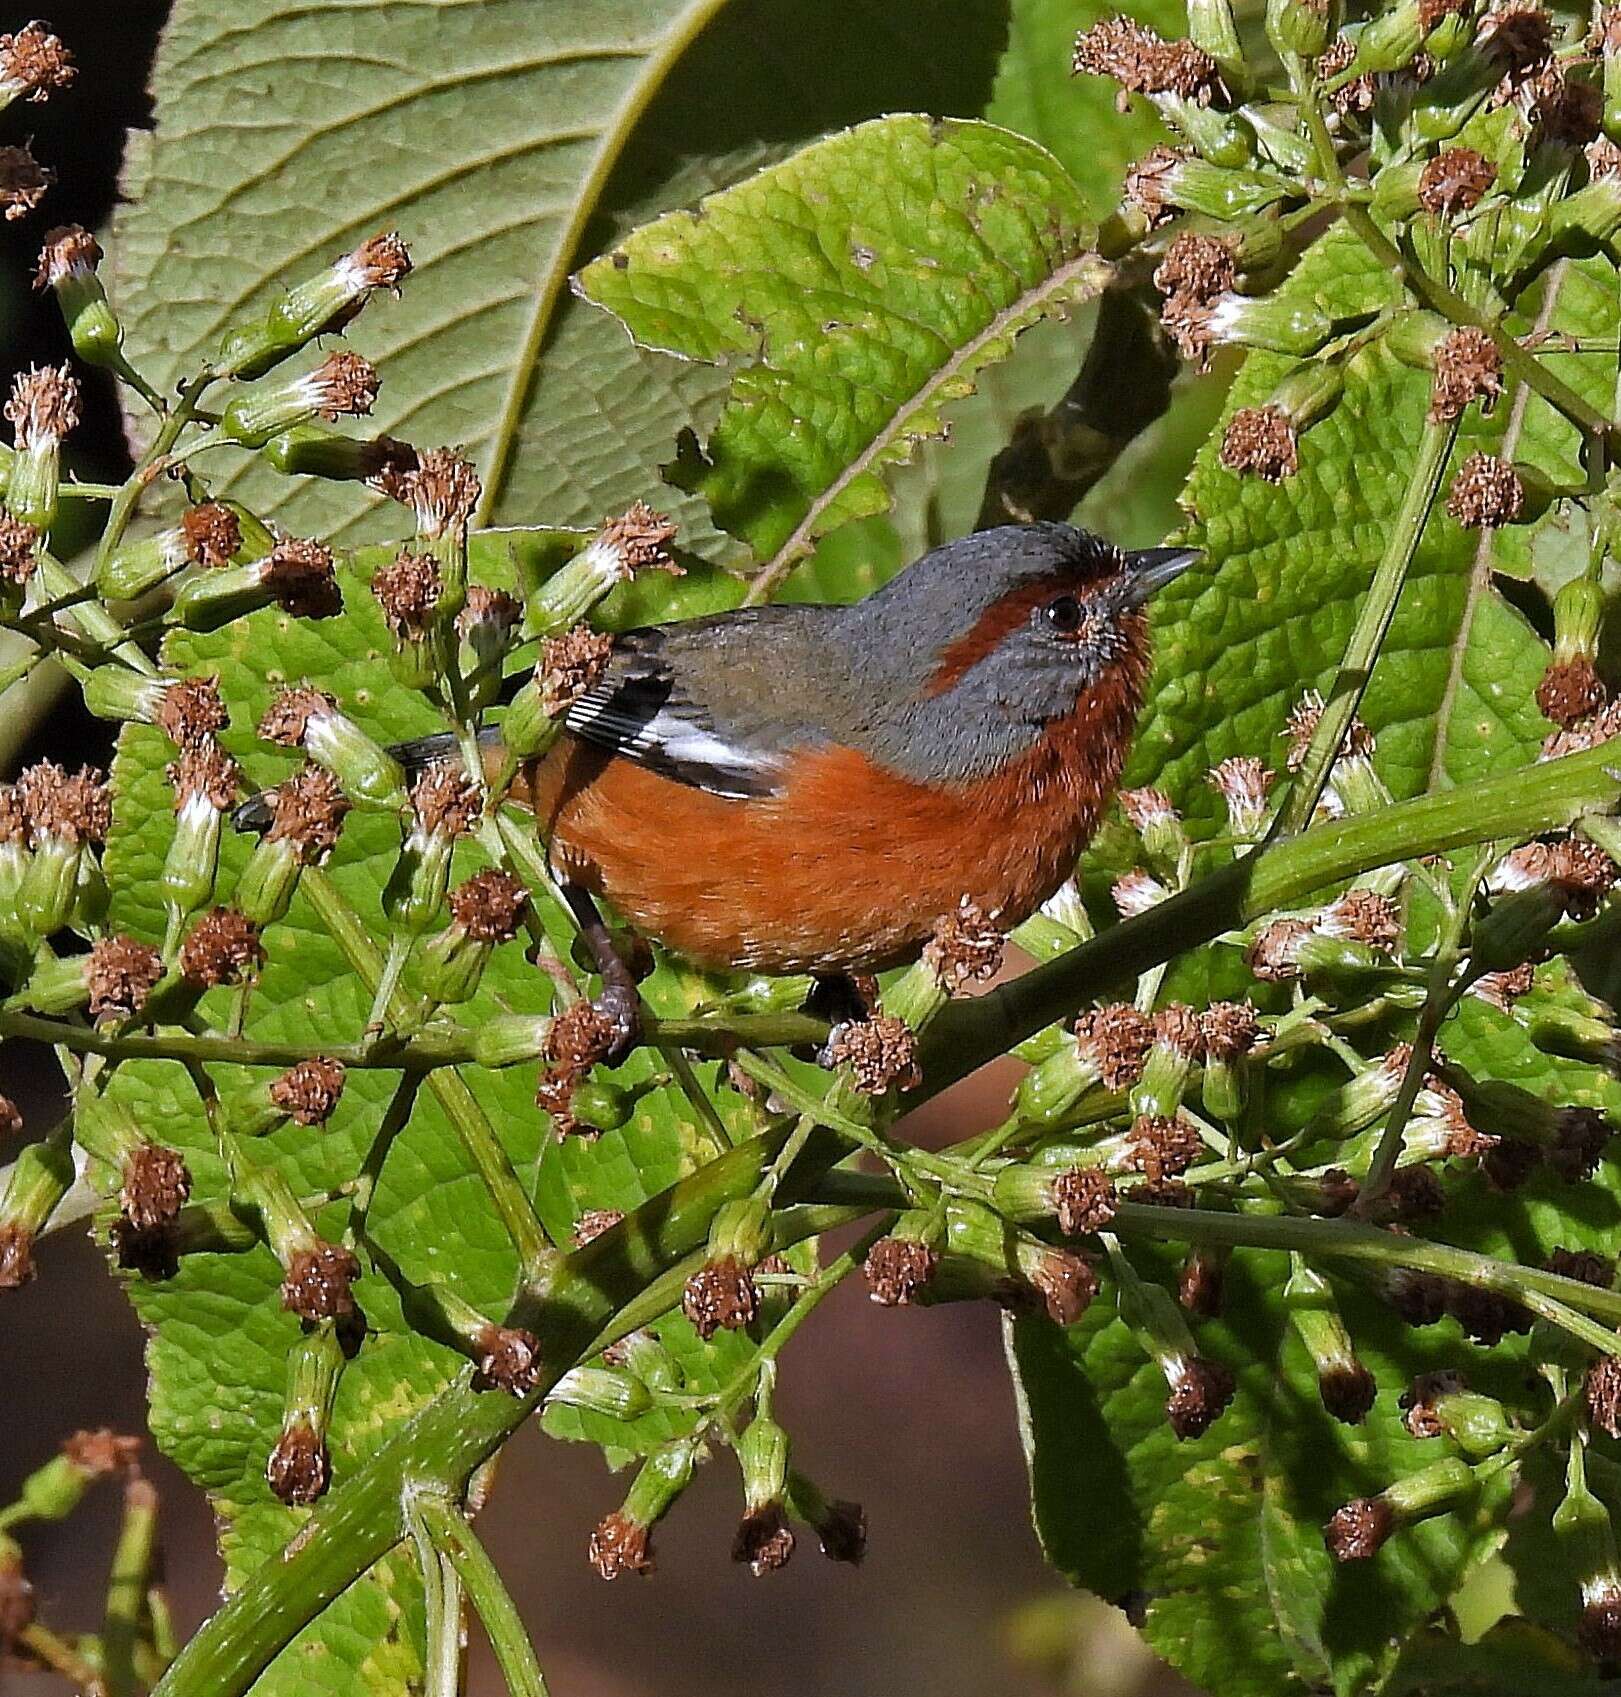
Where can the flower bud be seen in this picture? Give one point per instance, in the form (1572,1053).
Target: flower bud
(1301,27)
(1441,1405)
(67,266)
(486,628)
(510,1040)
(621,1543)
(1389,40)
(311,450)
(1360,1528)
(640,1354)
(1167,180)
(602,1390)
(1570,690)
(1345,1385)
(636,541)
(296,574)
(445,805)
(1273,322)
(1200,1390)
(209,534)
(1574,1035)
(1177,1048)
(343,384)
(205,785)
(54,1491)
(40,1177)
(299,1468)
(306,718)
(1582,1526)
(321,305)
(764,1540)
(42,409)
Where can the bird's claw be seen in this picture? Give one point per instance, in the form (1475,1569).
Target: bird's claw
(621,1006)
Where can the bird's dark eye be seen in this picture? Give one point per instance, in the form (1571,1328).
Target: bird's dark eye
(1064,615)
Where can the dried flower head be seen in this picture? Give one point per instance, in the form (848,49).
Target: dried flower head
(408,589)
(1262,441)
(620,1546)
(1455,181)
(43,406)
(1510,1164)
(1353,98)
(554,1096)
(192,712)
(1603,1388)
(1486,493)
(1518,34)
(72,809)
(319,1282)
(342,385)
(1468,368)
(965,947)
(1358,1530)
(764,1540)
(580,1036)
(1177,1027)
(1116,1040)
(1502,990)
(898,1270)
(1274,956)
(16,1256)
(204,775)
(1243,782)
(1147,182)
(120,974)
(508,1359)
(288,716)
(1348,1391)
(308,810)
(1197,267)
(103,1452)
(640,538)
(299,572)
(1067,1283)
(23,182)
(1163,1146)
(1230,1030)
(446,802)
(1484,1315)
(1301,726)
(1419,1399)
(380,262)
(1570,691)
(441,488)
(1201,1287)
(486,606)
(69,252)
(569,665)
(489,906)
(1581,1135)
(309,1091)
(1200,1393)
(212,532)
(1084,1200)
(880,1052)
(299,1468)
(156,1184)
(720,1295)
(1586,1266)
(19,549)
(1603,159)
(1146,809)
(33,62)
(1414,1193)
(1136,892)
(1143,62)
(222,947)
(593,1223)
(1362,916)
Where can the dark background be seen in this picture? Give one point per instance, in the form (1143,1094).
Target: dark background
(911,1412)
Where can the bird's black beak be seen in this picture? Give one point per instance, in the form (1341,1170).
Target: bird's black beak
(1148,570)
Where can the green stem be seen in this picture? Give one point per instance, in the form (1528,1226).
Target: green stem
(441,1607)
(1372,627)
(1281,874)
(127,1585)
(134,486)
(456,1541)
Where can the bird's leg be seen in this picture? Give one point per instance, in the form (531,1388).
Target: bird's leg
(620,1000)
(836,997)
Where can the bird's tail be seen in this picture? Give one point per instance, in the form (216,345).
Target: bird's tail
(421,752)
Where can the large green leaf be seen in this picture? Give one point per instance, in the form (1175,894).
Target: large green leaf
(220,1337)
(507,141)
(859,286)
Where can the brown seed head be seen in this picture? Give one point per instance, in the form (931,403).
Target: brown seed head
(380,262)
(1188,322)
(1455,181)
(1178,1027)
(1484,1315)
(192,712)
(720,1295)
(620,1546)
(764,1540)
(1067,1283)
(509,1359)
(441,488)
(1142,62)
(1414,1193)
(1603,159)
(593,1223)
(19,549)
(213,534)
(1201,1287)
(120,974)
(1084,1200)
(103,1452)
(569,665)
(408,589)
(1598,1631)
(554,1096)
(1356,97)
(298,571)
(44,406)
(76,809)
(1116,1040)
(1581,1136)
(1419,1399)
(1301,726)
(1586,1266)
(1419,1298)
(33,62)
(1567,109)
(1163,1147)
(204,774)
(1486,493)
(1243,782)
(580,1036)
(308,810)
(842,1532)
(1230,1030)
(641,538)
(1147,183)
(156,1184)
(68,251)
(898,1270)
(1518,34)
(1464,1141)
(288,716)
(222,947)
(1603,1388)
(447,802)
(23,182)
(1261,440)
(965,947)
(1136,892)
(1510,1164)
(13,815)
(309,1091)
(343,385)
(880,1052)
(1197,267)
(489,906)
(1468,368)
(1348,1392)
(1362,916)
(486,606)
(1570,691)
(299,1468)
(1359,1529)
(1502,990)
(319,1282)
(16,1257)
(1200,1393)
(1274,956)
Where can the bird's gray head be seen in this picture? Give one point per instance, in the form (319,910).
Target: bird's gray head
(1006,630)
